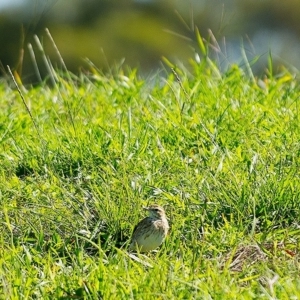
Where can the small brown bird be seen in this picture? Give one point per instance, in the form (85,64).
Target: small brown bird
(149,233)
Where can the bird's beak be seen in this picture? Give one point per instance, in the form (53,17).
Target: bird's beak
(145,208)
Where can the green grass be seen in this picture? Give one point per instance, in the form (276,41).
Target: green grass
(219,150)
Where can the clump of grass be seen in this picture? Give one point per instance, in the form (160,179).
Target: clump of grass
(219,150)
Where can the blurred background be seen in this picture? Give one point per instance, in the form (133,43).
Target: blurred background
(138,33)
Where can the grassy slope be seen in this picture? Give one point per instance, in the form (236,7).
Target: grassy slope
(219,151)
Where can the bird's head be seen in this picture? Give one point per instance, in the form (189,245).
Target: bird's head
(155,211)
